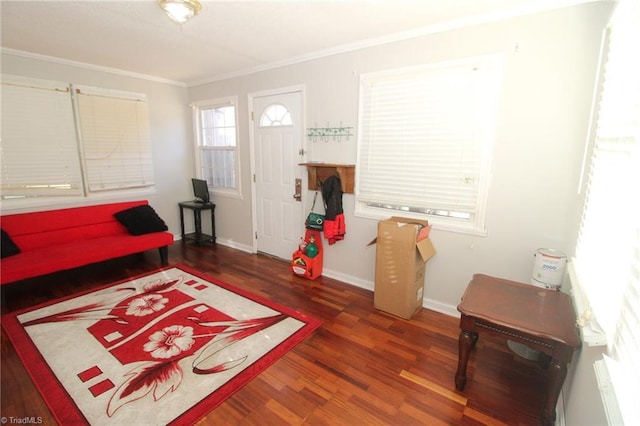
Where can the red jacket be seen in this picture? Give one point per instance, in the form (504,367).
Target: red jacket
(334,230)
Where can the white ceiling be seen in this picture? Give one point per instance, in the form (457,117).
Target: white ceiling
(228,37)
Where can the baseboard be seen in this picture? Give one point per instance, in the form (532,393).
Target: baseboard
(349,279)
(227,243)
(443,308)
(235,245)
(431,304)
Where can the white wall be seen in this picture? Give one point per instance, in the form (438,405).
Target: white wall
(551,60)
(170,123)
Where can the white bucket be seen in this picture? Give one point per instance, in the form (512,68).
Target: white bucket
(548,268)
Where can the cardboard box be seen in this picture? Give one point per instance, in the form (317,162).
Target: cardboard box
(403,248)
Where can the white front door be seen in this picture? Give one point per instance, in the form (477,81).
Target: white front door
(278,137)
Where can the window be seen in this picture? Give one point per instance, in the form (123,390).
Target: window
(425,140)
(217,153)
(44,156)
(276,115)
(607,261)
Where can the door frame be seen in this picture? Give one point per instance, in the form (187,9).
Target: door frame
(252,151)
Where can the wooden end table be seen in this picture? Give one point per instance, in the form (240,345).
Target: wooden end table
(542,319)
(198,207)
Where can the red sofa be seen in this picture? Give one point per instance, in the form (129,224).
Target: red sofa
(55,240)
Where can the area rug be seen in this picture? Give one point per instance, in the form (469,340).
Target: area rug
(162,348)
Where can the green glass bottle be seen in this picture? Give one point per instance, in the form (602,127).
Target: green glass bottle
(311,249)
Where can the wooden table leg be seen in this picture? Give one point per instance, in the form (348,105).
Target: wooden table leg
(474,339)
(465,343)
(557,374)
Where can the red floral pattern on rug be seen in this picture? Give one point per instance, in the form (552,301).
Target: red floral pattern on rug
(159,330)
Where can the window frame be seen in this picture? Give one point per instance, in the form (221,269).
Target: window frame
(476,225)
(198,107)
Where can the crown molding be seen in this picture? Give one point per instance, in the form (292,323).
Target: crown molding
(60,61)
(487,18)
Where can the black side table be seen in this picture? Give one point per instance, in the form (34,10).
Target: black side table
(197,208)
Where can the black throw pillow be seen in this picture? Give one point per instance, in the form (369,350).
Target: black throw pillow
(141,220)
(9,248)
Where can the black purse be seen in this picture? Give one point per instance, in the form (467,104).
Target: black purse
(314,220)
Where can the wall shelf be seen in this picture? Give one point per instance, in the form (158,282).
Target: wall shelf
(319,172)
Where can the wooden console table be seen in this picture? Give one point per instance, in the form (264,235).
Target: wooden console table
(199,237)
(542,319)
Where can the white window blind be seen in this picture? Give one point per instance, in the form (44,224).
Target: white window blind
(607,259)
(38,133)
(116,145)
(425,137)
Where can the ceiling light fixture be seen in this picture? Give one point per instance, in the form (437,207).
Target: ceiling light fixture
(180,11)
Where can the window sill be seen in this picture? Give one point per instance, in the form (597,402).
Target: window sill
(440,224)
(20,205)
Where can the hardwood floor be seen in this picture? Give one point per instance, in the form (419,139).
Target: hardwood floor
(362,366)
